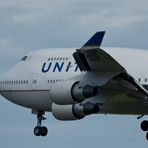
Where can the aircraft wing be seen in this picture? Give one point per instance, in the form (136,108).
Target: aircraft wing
(92,59)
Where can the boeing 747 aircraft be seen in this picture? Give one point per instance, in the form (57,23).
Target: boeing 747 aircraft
(75,83)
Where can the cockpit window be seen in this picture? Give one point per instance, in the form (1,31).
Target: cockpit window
(24,58)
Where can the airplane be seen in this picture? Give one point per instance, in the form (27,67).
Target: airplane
(74,83)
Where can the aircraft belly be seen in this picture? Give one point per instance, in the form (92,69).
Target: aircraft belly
(38,100)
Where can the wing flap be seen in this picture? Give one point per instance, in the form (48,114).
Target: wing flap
(90,57)
(99,61)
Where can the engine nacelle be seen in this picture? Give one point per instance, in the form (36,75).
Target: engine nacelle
(69,91)
(73,112)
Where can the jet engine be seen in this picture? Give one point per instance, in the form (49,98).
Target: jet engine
(74,112)
(69,92)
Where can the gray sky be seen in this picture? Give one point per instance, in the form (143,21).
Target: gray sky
(27,25)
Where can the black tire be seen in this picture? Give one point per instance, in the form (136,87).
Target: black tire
(44,131)
(147,136)
(37,131)
(144,125)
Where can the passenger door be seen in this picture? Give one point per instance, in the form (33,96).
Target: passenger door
(34,81)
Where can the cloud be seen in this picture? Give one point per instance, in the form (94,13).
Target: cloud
(102,13)
(114,13)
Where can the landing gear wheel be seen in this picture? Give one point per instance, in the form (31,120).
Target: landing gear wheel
(40,131)
(144,125)
(44,131)
(37,131)
(147,135)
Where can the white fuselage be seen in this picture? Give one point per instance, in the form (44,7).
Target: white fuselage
(28,83)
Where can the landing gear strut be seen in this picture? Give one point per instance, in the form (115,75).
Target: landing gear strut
(144,127)
(40,130)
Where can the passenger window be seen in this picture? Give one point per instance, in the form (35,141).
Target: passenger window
(24,58)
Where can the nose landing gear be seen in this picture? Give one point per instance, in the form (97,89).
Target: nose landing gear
(40,130)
